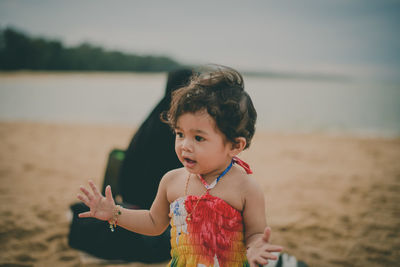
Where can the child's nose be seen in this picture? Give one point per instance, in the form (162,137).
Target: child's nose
(186,145)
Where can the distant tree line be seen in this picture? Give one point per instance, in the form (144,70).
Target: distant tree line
(19,51)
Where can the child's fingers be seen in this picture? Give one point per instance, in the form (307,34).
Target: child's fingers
(109,193)
(270,256)
(84,214)
(259,261)
(87,193)
(262,261)
(273,248)
(94,189)
(84,200)
(267,234)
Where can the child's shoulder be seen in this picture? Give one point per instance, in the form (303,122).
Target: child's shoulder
(246,182)
(174,174)
(241,176)
(173,183)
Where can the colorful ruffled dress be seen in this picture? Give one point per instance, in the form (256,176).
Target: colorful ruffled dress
(206,231)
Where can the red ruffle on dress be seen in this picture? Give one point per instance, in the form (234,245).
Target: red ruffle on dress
(212,234)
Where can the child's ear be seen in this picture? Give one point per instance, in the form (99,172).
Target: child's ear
(238,146)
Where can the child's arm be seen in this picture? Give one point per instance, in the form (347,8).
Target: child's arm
(146,222)
(256,232)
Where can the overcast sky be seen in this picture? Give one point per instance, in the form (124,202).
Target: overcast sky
(338,36)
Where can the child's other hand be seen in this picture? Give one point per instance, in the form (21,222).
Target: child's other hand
(259,252)
(100,207)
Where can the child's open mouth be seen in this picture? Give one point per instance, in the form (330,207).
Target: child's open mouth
(189,162)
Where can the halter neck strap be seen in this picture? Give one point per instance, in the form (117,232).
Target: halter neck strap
(213,184)
(235,160)
(243,164)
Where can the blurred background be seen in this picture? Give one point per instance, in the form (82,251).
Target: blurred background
(78,77)
(309,66)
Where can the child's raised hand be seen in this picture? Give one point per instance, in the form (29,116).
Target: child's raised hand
(100,207)
(260,251)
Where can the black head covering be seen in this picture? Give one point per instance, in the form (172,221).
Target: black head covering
(151,152)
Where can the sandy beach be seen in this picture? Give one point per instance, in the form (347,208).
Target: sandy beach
(331,200)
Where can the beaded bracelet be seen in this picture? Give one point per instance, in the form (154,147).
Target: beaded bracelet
(114,219)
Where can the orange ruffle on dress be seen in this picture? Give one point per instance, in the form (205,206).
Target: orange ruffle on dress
(206,232)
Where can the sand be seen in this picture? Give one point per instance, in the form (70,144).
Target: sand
(331,200)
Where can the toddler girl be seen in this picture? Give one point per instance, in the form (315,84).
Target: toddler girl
(215,208)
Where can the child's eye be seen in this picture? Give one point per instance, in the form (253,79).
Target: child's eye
(199,138)
(179,134)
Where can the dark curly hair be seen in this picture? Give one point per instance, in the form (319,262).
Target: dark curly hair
(219,91)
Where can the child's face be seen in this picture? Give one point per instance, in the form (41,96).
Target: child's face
(200,146)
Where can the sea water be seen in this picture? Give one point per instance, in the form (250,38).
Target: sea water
(349,106)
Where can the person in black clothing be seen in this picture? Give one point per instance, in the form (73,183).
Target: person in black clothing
(151,152)
(149,156)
